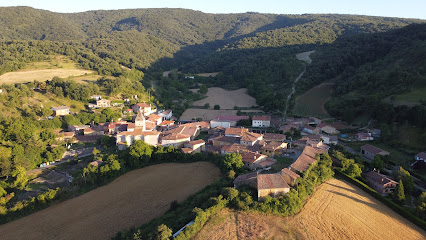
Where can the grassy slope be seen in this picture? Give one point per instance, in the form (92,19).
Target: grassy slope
(312,102)
(59,65)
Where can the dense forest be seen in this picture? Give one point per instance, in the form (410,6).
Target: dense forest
(369,67)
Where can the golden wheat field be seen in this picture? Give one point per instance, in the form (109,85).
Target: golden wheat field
(131,200)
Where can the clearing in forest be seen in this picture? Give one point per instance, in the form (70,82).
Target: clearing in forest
(59,66)
(312,102)
(337,210)
(131,200)
(227,99)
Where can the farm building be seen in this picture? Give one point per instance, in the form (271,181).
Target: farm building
(271,185)
(381,183)
(370,151)
(289,176)
(227,121)
(261,121)
(249,179)
(254,160)
(307,158)
(311,130)
(332,140)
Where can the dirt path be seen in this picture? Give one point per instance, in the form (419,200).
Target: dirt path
(303,57)
(130,200)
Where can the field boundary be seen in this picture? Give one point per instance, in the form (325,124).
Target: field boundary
(395,207)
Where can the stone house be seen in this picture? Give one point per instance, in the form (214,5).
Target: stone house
(261,121)
(271,185)
(289,176)
(381,183)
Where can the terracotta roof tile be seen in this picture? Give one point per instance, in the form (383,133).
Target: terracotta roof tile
(270,181)
(373,149)
(290,173)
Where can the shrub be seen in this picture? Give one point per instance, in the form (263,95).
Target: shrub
(216,107)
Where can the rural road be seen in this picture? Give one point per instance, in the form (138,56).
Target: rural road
(302,57)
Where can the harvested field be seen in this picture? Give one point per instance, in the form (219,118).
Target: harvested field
(206,114)
(233,225)
(312,102)
(209,114)
(40,75)
(131,200)
(337,210)
(227,99)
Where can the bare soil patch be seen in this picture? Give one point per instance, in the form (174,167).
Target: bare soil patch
(337,210)
(213,74)
(206,114)
(131,200)
(40,75)
(305,56)
(227,99)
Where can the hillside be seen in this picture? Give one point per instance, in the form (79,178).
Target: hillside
(369,68)
(337,210)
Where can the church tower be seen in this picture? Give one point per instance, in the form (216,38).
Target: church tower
(140,121)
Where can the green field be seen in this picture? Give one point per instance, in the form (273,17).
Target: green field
(312,102)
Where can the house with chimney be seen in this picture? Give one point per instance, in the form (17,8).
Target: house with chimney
(381,183)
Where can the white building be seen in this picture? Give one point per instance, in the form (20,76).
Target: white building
(261,121)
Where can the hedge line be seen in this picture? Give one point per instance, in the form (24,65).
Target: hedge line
(397,208)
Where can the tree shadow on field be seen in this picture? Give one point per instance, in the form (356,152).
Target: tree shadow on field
(370,204)
(344,188)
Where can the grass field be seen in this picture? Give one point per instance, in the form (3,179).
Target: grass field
(131,200)
(59,66)
(312,102)
(411,98)
(337,210)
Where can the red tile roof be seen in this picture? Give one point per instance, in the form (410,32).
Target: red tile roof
(250,136)
(262,118)
(187,150)
(226,139)
(138,132)
(270,181)
(252,157)
(235,131)
(266,163)
(374,150)
(246,178)
(290,173)
(199,141)
(274,136)
(379,178)
(234,148)
(176,136)
(143,105)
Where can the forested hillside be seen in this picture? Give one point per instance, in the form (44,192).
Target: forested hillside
(252,50)
(370,67)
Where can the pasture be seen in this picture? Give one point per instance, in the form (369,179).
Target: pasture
(59,66)
(312,102)
(131,200)
(337,210)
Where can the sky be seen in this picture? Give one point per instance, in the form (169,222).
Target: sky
(387,8)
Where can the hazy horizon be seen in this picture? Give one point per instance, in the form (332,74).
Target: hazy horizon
(379,8)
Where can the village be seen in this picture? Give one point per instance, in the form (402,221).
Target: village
(275,152)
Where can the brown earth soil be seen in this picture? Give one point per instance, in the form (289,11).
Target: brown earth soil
(131,200)
(227,99)
(337,210)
